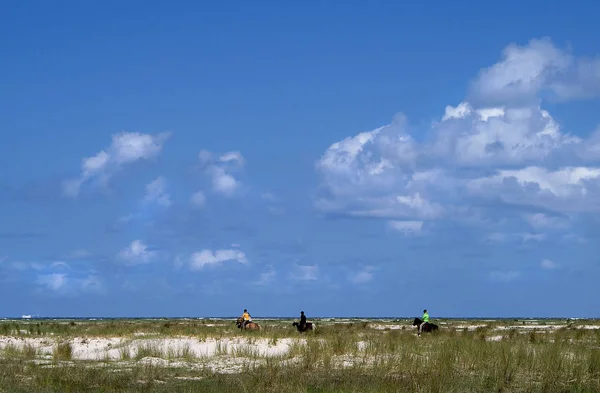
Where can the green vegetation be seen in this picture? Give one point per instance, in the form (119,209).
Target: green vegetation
(503,356)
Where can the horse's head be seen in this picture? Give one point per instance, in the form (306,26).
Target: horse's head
(295,323)
(417,322)
(239,321)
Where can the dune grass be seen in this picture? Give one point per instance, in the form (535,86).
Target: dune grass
(337,357)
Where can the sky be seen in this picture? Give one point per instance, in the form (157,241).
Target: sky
(342,158)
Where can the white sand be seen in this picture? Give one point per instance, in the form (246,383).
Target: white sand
(115,348)
(391,327)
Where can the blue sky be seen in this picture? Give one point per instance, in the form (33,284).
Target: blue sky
(338,158)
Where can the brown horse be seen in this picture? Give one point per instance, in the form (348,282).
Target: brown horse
(249,325)
(308,326)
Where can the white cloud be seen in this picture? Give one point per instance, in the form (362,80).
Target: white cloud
(223,182)
(266,277)
(136,253)
(204,258)
(363,276)
(233,157)
(61,283)
(502,237)
(504,276)
(305,272)
(545,221)
(198,199)
(522,73)
(526,71)
(499,149)
(60,264)
(126,148)
(563,183)
(407,227)
(549,265)
(156,192)
(570,189)
(54,281)
(220,170)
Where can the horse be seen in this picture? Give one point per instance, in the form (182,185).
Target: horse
(249,325)
(308,326)
(427,327)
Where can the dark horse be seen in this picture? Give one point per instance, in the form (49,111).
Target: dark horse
(308,326)
(428,327)
(249,325)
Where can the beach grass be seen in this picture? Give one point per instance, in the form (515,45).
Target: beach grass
(354,356)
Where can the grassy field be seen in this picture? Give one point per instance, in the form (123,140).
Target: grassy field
(340,356)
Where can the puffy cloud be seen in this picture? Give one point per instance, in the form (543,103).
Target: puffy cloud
(363,276)
(198,200)
(54,281)
(499,149)
(63,284)
(305,272)
(266,277)
(569,189)
(526,71)
(406,227)
(545,221)
(126,148)
(156,192)
(549,265)
(204,258)
(221,169)
(136,253)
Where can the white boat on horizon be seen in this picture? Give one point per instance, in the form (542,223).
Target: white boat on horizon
(26,316)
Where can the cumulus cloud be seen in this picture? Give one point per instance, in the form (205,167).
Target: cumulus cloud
(137,253)
(156,192)
(549,265)
(204,258)
(266,277)
(221,169)
(545,221)
(363,276)
(126,148)
(54,281)
(62,283)
(406,227)
(305,272)
(198,200)
(499,148)
(524,72)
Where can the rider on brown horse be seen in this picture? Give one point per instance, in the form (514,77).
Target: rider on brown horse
(246,318)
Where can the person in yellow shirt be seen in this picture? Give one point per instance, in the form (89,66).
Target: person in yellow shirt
(246,318)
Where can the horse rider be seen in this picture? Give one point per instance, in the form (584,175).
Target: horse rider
(246,318)
(302,321)
(425,320)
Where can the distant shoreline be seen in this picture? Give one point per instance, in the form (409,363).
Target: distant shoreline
(33,317)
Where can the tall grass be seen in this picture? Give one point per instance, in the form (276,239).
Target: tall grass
(328,360)
(63,351)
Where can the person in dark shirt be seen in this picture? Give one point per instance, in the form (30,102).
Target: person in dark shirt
(302,321)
